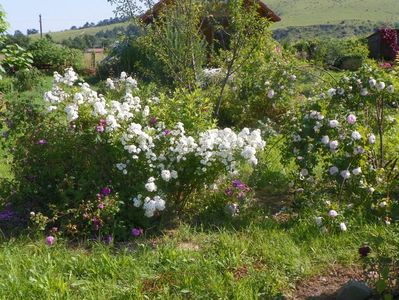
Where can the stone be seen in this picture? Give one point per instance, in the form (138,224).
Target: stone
(354,290)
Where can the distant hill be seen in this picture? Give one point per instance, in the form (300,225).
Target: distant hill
(59,36)
(314,12)
(332,18)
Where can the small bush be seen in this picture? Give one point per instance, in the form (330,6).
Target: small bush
(6,85)
(53,57)
(27,79)
(331,52)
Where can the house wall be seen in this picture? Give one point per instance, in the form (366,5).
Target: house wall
(374,43)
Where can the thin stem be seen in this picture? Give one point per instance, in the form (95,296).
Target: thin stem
(380,116)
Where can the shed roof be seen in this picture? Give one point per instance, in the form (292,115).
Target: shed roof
(263,10)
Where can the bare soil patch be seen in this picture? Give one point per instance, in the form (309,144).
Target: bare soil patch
(326,286)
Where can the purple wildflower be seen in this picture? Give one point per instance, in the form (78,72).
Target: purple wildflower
(153,121)
(100,128)
(167,132)
(136,232)
(105,191)
(229,192)
(101,206)
(42,142)
(108,239)
(6,215)
(50,240)
(239,185)
(96,223)
(236,183)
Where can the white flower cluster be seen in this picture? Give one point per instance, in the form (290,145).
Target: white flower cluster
(150,205)
(69,78)
(221,145)
(159,150)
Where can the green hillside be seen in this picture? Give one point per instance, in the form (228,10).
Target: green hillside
(313,12)
(62,35)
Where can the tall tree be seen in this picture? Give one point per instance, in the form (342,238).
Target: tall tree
(131,8)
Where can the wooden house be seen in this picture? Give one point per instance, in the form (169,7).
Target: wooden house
(220,14)
(381,49)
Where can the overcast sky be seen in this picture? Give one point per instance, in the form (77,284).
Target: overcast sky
(56,14)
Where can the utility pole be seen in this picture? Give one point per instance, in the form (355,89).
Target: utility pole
(41,26)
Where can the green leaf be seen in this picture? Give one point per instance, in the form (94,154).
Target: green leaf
(381,286)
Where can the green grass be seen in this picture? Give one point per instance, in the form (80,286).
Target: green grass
(310,12)
(63,35)
(259,259)
(5,170)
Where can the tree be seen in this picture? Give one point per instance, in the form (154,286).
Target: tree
(32,31)
(131,8)
(3,24)
(3,28)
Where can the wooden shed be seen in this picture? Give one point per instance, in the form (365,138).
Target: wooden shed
(211,33)
(380,49)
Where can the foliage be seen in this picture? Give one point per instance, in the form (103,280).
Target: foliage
(337,30)
(28,79)
(132,54)
(329,52)
(32,31)
(130,8)
(50,56)
(264,90)
(17,38)
(178,43)
(389,38)
(90,165)
(3,24)
(103,38)
(16,58)
(381,263)
(3,28)
(340,146)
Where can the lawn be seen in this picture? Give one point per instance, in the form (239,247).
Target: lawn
(261,258)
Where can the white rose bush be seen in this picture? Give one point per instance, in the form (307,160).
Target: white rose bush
(342,146)
(120,158)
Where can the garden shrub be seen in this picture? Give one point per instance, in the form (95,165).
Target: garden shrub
(133,55)
(6,85)
(264,90)
(90,165)
(16,58)
(340,143)
(27,79)
(380,259)
(50,56)
(331,52)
